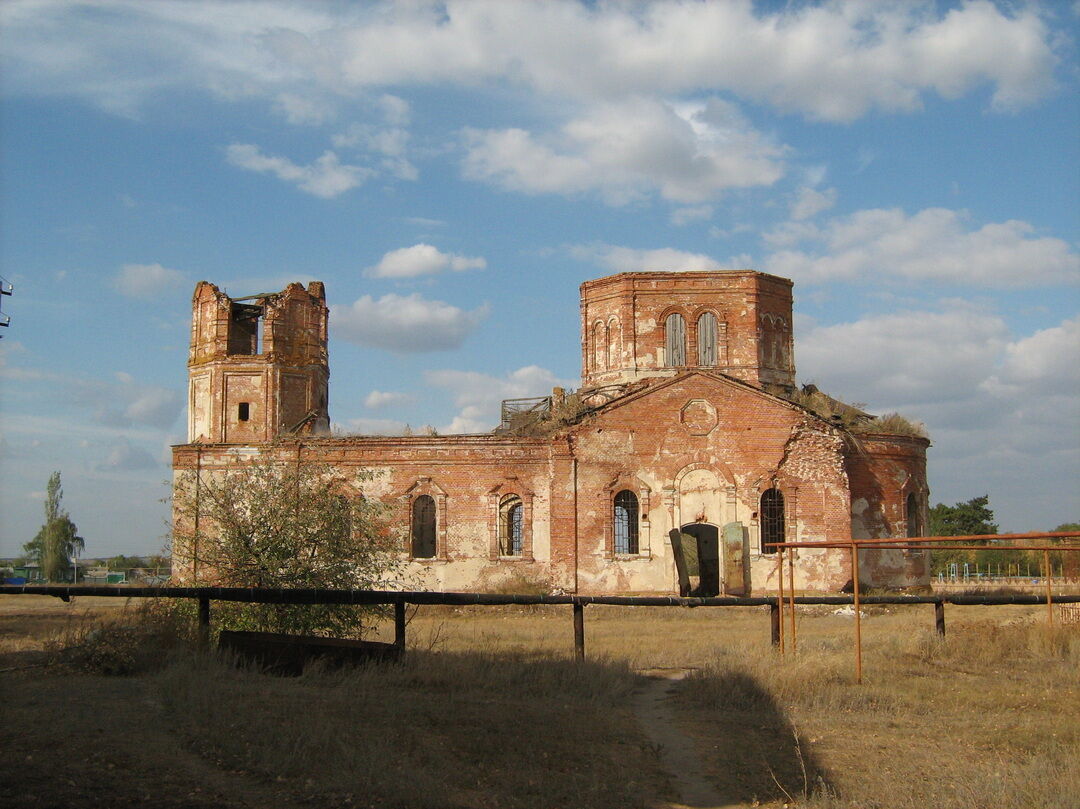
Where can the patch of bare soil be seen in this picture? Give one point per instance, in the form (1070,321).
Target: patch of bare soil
(678,752)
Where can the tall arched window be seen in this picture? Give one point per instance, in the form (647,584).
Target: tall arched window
(706,339)
(511,526)
(600,346)
(675,333)
(772,519)
(914,524)
(626,522)
(423,527)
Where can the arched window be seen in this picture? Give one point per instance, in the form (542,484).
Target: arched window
(706,339)
(511,526)
(600,347)
(675,333)
(626,522)
(614,347)
(423,527)
(772,519)
(914,526)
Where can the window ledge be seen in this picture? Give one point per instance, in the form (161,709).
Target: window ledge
(632,557)
(516,559)
(428,560)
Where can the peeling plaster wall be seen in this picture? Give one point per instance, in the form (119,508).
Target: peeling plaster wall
(884,470)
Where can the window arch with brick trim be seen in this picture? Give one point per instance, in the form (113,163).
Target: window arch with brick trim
(511,522)
(426,500)
(772,520)
(422,530)
(511,526)
(675,340)
(614,346)
(625,521)
(625,486)
(599,345)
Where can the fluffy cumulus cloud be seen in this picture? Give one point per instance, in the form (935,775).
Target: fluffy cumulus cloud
(327,177)
(123,456)
(666,259)
(405,323)
(831,61)
(627,150)
(379,399)
(124,402)
(146,281)
(998,406)
(421,259)
(933,245)
(478,395)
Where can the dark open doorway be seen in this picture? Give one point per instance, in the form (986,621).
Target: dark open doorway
(697,559)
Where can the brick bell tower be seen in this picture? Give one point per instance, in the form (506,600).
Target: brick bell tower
(648,324)
(257,368)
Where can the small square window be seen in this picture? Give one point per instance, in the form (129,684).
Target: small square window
(244,411)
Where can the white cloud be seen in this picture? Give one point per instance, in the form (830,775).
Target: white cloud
(834,61)
(405,324)
(478,395)
(627,259)
(125,456)
(809,202)
(146,280)
(327,177)
(390,144)
(125,402)
(421,259)
(934,245)
(684,216)
(304,109)
(1000,409)
(379,398)
(627,150)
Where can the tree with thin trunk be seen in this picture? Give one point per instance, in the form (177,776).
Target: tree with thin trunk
(279,524)
(58,539)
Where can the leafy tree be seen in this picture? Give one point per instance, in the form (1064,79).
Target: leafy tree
(121,562)
(268,524)
(1069,561)
(58,539)
(963,519)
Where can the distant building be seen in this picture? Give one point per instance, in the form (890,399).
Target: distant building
(688,447)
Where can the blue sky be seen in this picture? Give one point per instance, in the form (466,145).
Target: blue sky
(453,171)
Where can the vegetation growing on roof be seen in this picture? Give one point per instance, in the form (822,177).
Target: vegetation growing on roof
(546,421)
(851,416)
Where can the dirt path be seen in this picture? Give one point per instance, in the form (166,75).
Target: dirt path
(678,752)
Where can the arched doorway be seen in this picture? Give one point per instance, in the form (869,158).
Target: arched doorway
(697,559)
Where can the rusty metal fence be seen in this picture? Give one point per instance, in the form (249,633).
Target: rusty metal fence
(400,599)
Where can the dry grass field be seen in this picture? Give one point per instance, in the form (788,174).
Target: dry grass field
(490,710)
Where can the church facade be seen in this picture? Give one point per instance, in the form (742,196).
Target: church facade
(687,450)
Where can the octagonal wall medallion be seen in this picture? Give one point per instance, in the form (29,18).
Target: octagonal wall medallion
(698,417)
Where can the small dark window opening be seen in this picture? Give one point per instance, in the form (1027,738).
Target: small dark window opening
(245,328)
(772,519)
(511,526)
(914,528)
(243,412)
(423,527)
(626,522)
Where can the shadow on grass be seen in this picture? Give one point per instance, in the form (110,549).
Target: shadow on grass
(750,749)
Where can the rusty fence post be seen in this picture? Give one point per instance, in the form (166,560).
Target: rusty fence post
(780,593)
(579,630)
(939,617)
(858,605)
(1048,573)
(791,598)
(399,624)
(774,622)
(204,623)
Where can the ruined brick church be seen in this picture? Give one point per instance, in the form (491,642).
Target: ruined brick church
(687,450)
